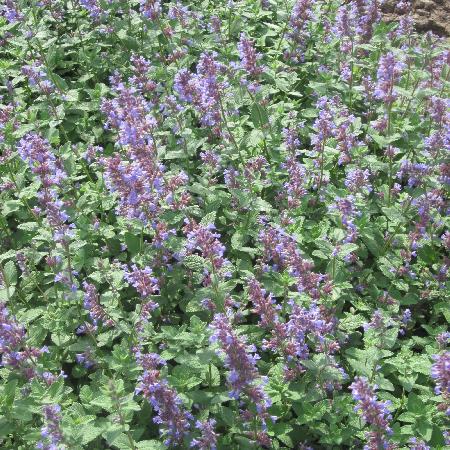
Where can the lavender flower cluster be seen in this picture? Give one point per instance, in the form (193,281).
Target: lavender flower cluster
(243,376)
(164,399)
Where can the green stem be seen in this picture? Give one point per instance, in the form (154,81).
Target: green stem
(286,24)
(388,135)
(122,418)
(233,140)
(321,168)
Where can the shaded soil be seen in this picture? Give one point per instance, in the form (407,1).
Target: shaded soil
(429,15)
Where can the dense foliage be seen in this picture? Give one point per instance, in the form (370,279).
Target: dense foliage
(223,225)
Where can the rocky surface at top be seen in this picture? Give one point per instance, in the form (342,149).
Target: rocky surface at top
(429,15)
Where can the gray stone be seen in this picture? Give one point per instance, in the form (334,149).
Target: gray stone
(429,15)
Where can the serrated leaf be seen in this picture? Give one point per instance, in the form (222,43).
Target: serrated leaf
(238,240)
(10,273)
(104,402)
(11,206)
(415,404)
(346,249)
(208,219)
(194,262)
(259,116)
(89,432)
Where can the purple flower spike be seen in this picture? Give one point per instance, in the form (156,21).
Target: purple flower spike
(208,439)
(389,73)
(171,416)
(240,359)
(374,412)
(142,280)
(51,431)
(440,372)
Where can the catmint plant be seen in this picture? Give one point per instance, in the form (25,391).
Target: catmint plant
(223,225)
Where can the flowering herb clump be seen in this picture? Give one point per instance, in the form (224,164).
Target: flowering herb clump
(223,225)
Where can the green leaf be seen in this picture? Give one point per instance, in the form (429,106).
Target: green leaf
(60,82)
(133,242)
(194,262)
(89,432)
(28,226)
(259,116)
(415,404)
(183,377)
(346,249)
(10,273)
(104,402)
(5,427)
(374,240)
(424,428)
(114,436)
(238,240)
(9,392)
(208,218)
(11,206)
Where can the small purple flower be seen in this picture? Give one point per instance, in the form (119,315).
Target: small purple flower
(208,439)
(230,176)
(11,12)
(36,151)
(264,304)
(443,339)
(94,9)
(37,77)
(439,110)
(281,252)
(416,173)
(291,139)
(14,351)
(369,13)
(165,401)
(208,304)
(142,280)
(204,239)
(374,412)
(240,359)
(141,79)
(295,186)
(377,322)
(416,444)
(12,334)
(299,33)
(389,73)
(92,304)
(215,25)
(150,9)
(50,378)
(211,159)
(406,317)
(138,178)
(92,153)
(51,431)
(204,90)
(357,180)
(86,359)
(181,13)
(323,125)
(144,316)
(440,372)
(249,57)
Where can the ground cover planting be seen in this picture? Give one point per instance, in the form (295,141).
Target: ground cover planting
(223,225)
